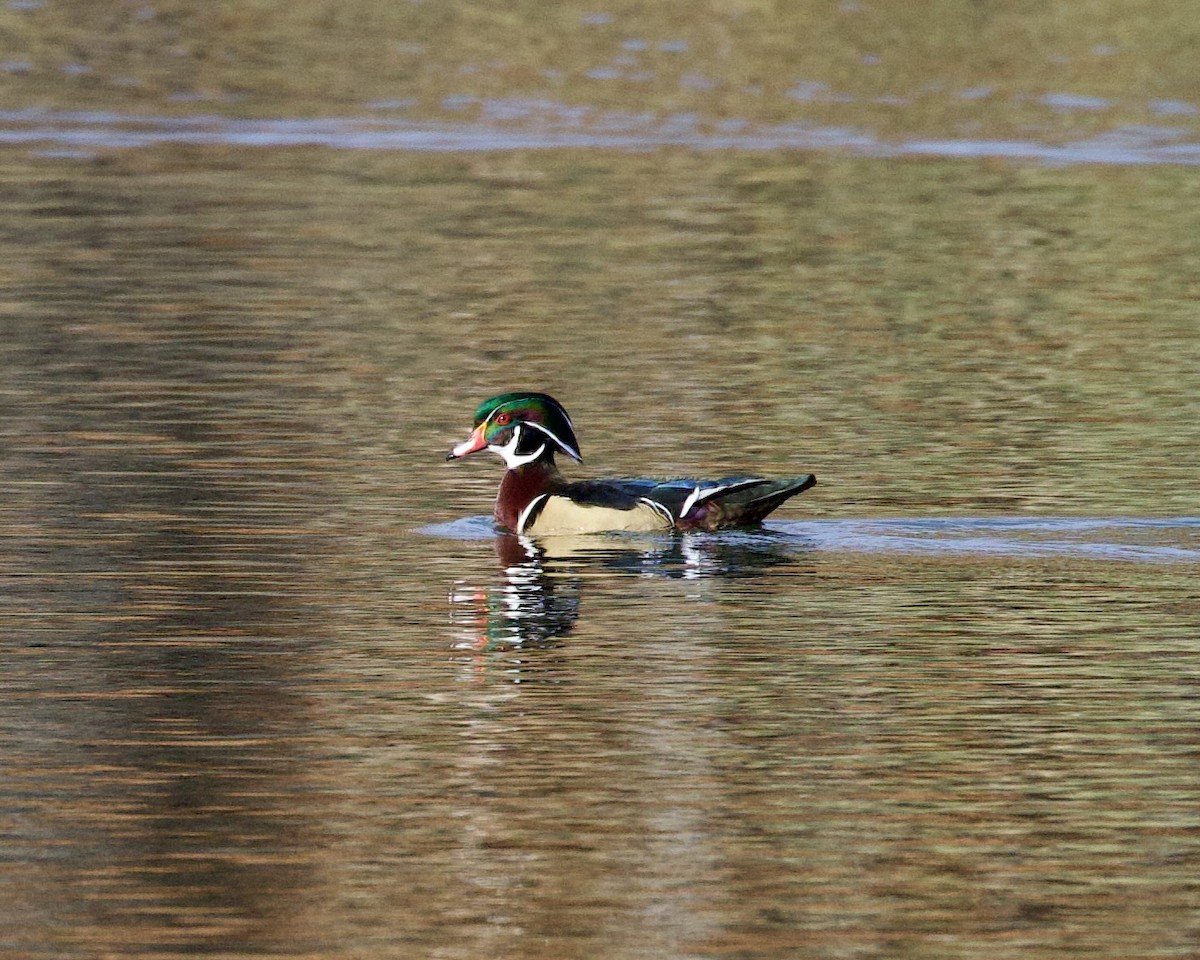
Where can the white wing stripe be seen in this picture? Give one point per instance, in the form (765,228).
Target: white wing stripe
(698,495)
(521,520)
(660,508)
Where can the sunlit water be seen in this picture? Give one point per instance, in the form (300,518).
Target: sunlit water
(272,684)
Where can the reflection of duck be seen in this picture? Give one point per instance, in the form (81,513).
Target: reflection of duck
(527,606)
(536,598)
(728,554)
(527,429)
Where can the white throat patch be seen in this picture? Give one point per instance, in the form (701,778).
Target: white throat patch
(512,459)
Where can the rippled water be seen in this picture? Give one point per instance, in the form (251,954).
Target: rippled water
(270,683)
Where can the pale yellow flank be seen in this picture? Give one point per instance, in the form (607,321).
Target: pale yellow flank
(563,516)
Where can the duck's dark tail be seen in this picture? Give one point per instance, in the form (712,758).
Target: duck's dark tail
(739,503)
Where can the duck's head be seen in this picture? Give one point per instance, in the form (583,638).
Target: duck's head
(522,428)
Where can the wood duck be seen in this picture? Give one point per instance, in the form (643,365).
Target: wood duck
(528,429)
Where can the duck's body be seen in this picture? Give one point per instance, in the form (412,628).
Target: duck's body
(535,499)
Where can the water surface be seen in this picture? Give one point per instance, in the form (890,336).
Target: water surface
(271,684)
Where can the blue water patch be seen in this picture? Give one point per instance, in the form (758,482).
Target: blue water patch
(465,528)
(1144,540)
(545,125)
(1075,101)
(1126,539)
(1174,108)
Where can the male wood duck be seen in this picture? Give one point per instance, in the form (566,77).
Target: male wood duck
(528,429)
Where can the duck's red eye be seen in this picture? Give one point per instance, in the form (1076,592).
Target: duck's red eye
(502,419)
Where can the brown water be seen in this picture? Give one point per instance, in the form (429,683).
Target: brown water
(270,684)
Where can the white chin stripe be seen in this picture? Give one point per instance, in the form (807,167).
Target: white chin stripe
(512,459)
